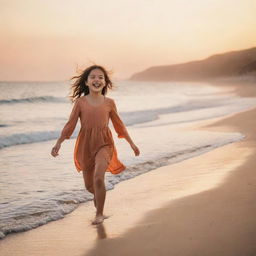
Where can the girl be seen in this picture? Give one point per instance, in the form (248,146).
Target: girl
(94,151)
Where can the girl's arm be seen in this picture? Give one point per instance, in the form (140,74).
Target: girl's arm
(68,128)
(121,129)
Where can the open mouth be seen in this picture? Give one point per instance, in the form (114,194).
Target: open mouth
(96,85)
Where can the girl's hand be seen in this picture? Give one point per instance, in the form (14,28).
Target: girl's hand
(55,150)
(135,149)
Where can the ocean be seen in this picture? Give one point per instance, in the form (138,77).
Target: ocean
(36,188)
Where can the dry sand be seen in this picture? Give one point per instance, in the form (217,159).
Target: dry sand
(201,206)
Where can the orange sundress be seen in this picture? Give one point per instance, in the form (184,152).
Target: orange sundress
(95,134)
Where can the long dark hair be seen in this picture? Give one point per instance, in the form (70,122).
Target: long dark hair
(79,87)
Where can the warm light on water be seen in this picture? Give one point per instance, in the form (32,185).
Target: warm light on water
(37,188)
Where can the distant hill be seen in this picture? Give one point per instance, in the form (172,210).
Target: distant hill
(230,64)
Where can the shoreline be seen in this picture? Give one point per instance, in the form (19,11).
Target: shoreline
(142,221)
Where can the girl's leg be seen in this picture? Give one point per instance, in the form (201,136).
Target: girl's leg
(101,164)
(88,182)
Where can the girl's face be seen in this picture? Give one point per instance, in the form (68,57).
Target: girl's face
(96,80)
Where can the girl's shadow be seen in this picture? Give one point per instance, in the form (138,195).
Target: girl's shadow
(101,231)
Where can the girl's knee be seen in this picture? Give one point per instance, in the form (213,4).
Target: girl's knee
(90,188)
(98,180)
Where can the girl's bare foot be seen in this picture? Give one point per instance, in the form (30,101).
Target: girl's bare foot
(99,219)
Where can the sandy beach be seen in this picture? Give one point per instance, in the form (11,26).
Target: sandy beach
(201,206)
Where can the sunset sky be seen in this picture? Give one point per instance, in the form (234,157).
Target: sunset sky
(48,39)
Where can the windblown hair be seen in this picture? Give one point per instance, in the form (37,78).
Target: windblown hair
(79,87)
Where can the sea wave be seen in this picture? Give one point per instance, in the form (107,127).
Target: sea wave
(129,118)
(34,100)
(26,138)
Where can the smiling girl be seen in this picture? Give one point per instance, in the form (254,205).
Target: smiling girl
(95,151)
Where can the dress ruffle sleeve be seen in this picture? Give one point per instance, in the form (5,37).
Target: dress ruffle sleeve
(117,122)
(70,126)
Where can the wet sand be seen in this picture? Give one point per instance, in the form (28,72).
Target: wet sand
(201,206)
